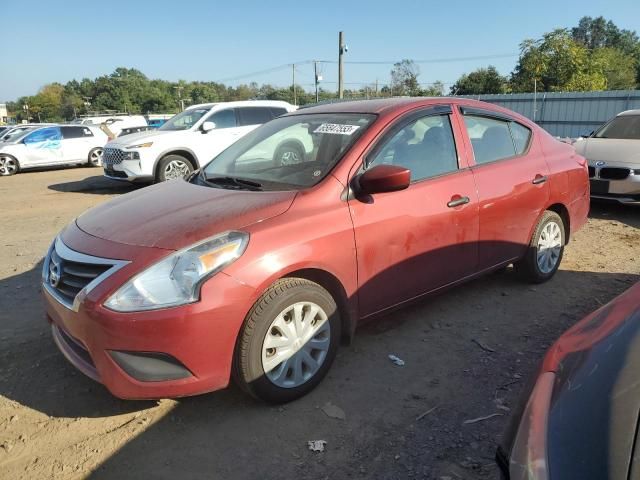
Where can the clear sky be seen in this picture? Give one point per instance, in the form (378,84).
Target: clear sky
(43,41)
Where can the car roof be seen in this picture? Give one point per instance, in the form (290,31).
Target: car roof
(243,103)
(628,113)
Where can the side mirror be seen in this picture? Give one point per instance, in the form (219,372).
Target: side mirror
(208,126)
(383,178)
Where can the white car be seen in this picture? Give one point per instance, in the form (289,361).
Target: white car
(187,141)
(613,153)
(52,146)
(114,123)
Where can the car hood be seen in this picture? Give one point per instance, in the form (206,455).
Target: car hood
(176,214)
(142,137)
(610,150)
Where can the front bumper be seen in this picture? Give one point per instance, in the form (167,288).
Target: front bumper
(625,190)
(132,353)
(139,170)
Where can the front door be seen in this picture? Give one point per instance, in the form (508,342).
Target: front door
(210,144)
(416,240)
(43,147)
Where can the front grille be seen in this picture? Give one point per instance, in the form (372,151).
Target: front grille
(613,173)
(112,156)
(592,172)
(67,274)
(72,276)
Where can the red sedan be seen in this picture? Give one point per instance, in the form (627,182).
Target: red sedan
(259,264)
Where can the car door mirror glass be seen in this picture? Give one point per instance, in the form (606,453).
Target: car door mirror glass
(383,178)
(208,126)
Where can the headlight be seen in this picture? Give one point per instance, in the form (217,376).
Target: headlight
(130,156)
(176,279)
(141,145)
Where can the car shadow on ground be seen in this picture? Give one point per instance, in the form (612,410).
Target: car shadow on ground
(463,349)
(615,211)
(97,185)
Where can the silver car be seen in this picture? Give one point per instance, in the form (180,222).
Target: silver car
(613,152)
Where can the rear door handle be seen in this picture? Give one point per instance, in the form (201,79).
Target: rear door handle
(539,179)
(456,202)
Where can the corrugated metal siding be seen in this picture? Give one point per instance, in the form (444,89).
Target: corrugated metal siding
(568,114)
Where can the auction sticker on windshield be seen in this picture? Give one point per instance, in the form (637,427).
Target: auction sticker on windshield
(336,129)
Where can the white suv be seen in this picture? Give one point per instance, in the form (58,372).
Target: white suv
(187,141)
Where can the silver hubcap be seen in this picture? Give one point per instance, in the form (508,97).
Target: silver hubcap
(95,157)
(549,247)
(176,169)
(296,344)
(290,157)
(8,166)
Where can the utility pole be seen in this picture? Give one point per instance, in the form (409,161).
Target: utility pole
(179,88)
(341,50)
(535,94)
(293,82)
(315,75)
(376,87)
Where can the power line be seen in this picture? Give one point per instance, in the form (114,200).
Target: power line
(431,60)
(261,72)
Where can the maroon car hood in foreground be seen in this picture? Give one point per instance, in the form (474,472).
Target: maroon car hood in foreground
(176,214)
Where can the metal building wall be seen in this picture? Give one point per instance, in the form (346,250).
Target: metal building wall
(568,114)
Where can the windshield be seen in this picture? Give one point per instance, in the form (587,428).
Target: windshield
(14,133)
(625,127)
(185,120)
(290,152)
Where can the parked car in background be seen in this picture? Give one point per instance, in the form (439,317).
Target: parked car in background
(114,123)
(52,145)
(187,141)
(256,268)
(580,418)
(613,152)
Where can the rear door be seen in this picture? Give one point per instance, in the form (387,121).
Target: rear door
(419,239)
(76,143)
(510,174)
(43,146)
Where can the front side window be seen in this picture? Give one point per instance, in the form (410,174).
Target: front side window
(625,127)
(185,120)
(490,138)
(254,115)
(223,119)
(288,153)
(425,146)
(45,137)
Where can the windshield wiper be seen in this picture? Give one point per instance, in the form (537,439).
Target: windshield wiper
(235,182)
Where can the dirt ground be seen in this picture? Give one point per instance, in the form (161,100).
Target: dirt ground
(55,423)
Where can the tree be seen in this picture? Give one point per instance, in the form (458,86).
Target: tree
(482,80)
(404,78)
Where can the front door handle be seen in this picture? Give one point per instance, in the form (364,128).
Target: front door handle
(456,201)
(539,179)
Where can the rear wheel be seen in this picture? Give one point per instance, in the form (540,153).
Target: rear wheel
(288,342)
(8,165)
(95,157)
(172,167)
(544,254)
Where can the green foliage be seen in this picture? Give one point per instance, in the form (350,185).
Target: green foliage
(482,80)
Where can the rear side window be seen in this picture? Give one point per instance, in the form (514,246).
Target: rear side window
(223,119)
(76,132)
(254,115)
(425,146)
(490,138)
(521,136)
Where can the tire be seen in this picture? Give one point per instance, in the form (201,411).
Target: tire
(9,165)
(172,167)
(541,262)
(268,322)
(95,157)
(289,154)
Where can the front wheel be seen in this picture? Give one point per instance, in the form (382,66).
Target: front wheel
(8,165)
(544,254)
(95,157)
(288,341)
(172,167)
(289,154)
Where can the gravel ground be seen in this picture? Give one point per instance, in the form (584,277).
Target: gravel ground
(467,353)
